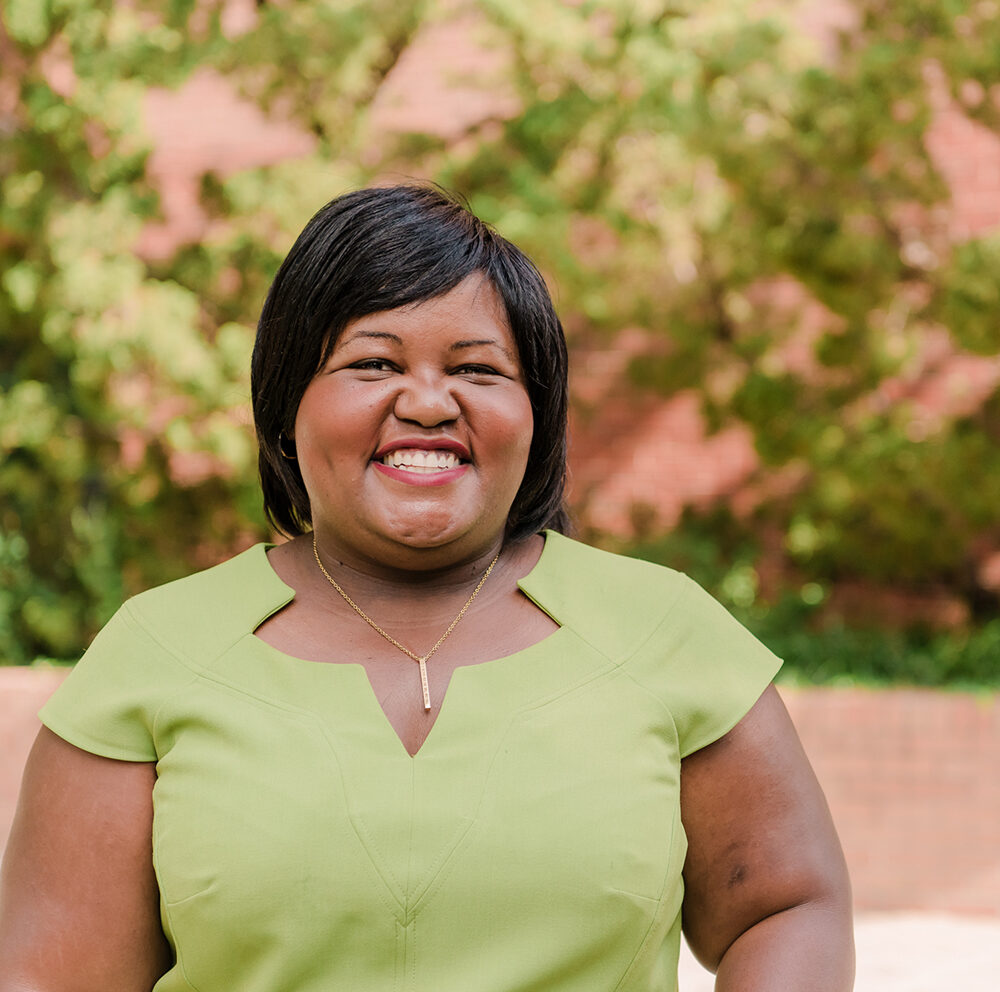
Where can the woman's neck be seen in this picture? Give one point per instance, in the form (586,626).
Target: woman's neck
(427,589)
(431,571)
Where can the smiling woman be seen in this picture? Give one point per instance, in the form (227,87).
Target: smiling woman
(246,783)
(372,257)
(417,430)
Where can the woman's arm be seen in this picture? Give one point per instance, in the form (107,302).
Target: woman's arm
(767,901)
(79,905)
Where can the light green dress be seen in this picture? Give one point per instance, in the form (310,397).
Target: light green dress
(533,843)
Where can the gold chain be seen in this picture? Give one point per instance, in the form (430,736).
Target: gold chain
(420,660)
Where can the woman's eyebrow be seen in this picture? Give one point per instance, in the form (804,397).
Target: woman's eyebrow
(373,334)
(472,343)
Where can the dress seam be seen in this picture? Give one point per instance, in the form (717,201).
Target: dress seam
(651,929)
(622,661)
(389,881)
(139,621)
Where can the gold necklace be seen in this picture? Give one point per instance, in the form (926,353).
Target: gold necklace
(421,660)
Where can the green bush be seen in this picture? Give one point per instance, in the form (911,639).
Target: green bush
(712,549)
(665,163)
(966,659)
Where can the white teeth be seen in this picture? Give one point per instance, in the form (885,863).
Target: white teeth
(420,460)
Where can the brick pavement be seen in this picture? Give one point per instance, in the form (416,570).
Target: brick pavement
(907,952)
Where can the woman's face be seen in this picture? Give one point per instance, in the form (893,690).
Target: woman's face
(415,434)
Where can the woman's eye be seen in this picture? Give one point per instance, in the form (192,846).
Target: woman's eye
(476,370)
(373,365)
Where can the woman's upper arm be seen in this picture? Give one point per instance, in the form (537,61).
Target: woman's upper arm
(79,906)
(760,837)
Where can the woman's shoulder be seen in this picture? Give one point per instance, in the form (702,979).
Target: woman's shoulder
(675,639)
(609,598)
(155,647)
(245,575)
(210,609)
(590,571)
(594,560)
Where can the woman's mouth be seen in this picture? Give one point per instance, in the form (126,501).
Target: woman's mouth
(421,460)
(424,466)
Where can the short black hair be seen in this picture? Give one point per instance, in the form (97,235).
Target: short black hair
(377,249)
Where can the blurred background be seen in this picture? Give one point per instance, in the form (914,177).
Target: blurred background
(772,230)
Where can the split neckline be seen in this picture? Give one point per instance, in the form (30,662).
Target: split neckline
(279,594)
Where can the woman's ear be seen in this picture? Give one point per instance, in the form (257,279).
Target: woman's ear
(286,445)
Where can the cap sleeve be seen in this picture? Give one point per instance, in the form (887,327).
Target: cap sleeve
(108,704)
(718,669)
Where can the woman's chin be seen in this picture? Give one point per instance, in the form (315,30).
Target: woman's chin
(429,532)
(427,537)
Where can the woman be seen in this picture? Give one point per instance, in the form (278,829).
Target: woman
(420,745)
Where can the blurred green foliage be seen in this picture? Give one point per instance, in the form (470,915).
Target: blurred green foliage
(816,650)
(668,164)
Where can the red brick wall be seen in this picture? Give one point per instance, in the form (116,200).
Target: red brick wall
(913,780)
(22,692)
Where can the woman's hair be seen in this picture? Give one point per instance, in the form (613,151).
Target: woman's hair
(382,248)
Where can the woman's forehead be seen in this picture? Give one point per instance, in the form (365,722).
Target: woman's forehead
(473,309)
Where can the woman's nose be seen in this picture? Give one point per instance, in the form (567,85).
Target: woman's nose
(426,400)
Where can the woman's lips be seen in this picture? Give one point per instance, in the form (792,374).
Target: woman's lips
(423,462)
(415,477)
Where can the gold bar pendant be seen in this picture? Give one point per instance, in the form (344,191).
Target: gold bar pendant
(423,682)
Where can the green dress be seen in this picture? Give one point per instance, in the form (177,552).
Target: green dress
(533,843)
